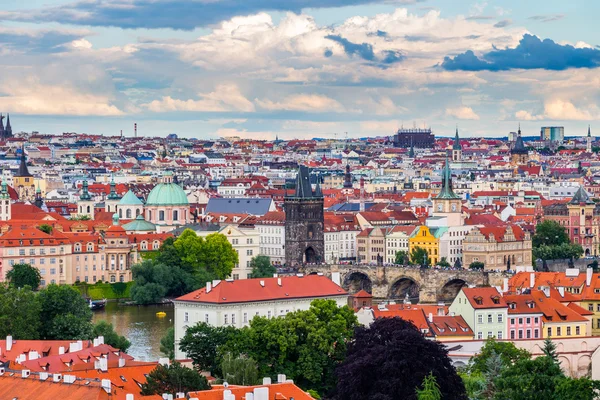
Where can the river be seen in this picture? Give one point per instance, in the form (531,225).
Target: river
(140,325)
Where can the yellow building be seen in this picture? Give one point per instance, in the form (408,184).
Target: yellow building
(559,321)
(23,181)
(428,239)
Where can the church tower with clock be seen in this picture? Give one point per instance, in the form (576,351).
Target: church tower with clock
(447,204)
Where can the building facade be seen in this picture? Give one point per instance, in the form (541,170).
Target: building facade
(498,247)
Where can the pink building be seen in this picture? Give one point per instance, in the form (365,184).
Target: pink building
(524,317)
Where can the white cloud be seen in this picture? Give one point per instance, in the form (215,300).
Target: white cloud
(558,109)
(226,97)
(462,113)
(303,102)
(523,115)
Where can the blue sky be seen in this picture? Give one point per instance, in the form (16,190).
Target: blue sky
(300,68)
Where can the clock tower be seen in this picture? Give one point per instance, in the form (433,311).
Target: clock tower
(447,203)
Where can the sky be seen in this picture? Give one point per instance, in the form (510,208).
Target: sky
(299,68)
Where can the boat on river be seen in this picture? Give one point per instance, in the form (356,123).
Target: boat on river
(97,304)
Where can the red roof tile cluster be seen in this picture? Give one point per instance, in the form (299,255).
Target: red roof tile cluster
(484,297)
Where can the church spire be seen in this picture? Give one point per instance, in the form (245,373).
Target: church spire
(23,170)
(589,131)
(446,193)
(113,191)
(85,194)
(8,129)
(456,145)
(39,202)
(411,152)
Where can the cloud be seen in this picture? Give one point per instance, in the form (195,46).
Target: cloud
(38,41)
(561,110)
(547,17)
(226,97)
(523,115)
(303,102)
(462,113)
(502,24)
(531,53)
(174,14)
(365,50)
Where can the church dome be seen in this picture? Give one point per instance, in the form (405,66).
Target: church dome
(167,194)
(140,225)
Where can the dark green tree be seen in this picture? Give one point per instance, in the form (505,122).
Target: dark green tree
(167,343)
(46,228)
(401,257)
(21,275)
(550,350)
(119,288)
(173,379)
(444,263)
(218,256)
(66,315)
(529,380)
(112,338)
(202,343)
(151,282)
(419,255)
(507,351)
(240,370)
(549,233)
(262,268)
(476,265)
(19,313)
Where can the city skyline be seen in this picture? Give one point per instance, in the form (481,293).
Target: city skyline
(299,71)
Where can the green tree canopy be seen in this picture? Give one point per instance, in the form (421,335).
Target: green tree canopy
(19,313)
(529,380)
(549,233)
(401,257)
(21,275)
(550,350)
(507,351)
(66,315)
(167,343)
(443,263)
(219,257)
(477,265)
(46,228)
(240,370)
(202,343)
(430,390)
(112,338)
(173,379)
(262,268)
(151,281)
(418,255)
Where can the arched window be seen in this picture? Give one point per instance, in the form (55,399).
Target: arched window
(144,245)
(128,213)
(120,213)
(149,215)
(175,215)
(122,278)
(137,212)
(112,279)
(89,209)
(161,215)
(156,245)
(77,247)
(90,247)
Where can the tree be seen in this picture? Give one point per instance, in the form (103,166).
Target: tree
(151,281)
(419,255)
(202,343)
(240,370)
(46,228)
(401,257)
(22,275)
(218,256)
(167,343)
(549,233)
(494,367)
(549,350)
(529,380)
(507,351)
(430,390)
(112,338)
(66,315)
(476,265)
(262,268)
(173,379)
(444,263)
(81,217)
(19,313)
(389,359)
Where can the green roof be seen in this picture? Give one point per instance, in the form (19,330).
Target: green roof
(446,193)
(139,224)
(130,199)
(167,194)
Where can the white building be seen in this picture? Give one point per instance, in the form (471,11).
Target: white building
(271,228)
(396,239)
(340,237)
(235,303)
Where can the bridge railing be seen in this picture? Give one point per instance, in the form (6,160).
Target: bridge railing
(390,265)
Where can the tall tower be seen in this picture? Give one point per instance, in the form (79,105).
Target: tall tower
(2,132)
(588,143)
(85,205)
(519,153)
(304,221)
(8,130)
(447,203)
(456,149)
(23,180)
(348,189)
(113,198)
(39,200)
(5,204)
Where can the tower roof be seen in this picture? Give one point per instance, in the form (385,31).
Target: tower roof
(519,147)
(347,177)
(303,187)
(589,131)
(446,193)
(23,171)
(85,195)
(456,145)
(130,199)
(581,197)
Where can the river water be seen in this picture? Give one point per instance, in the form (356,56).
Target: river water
(140,325)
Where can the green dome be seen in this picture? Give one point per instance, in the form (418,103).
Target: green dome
(130,199)
(140,225)
(167,194)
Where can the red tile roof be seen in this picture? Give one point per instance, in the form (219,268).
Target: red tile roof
(249,290)
(277,391)
(484,297)
(450,325)
(32,388)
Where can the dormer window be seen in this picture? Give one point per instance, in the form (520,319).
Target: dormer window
(512,306)
(496,299)
(478,300)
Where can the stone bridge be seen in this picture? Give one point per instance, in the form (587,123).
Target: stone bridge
(395,282)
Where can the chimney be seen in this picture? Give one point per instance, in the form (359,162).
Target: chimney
(121,362)
(266,381)
(532,279)
(546,290)
(505,286)
(262,283)
(335,277)
(588,276)
(430,317)
(69,379)
(275,275)
(180,395)
(281,378)
(57,377)
(561,291)
(103,364)
(129,396)
(208,287)
(106,385)
(279,281)
(249,396)
(227,395)
(9,342)
(25,373)
(61,350)
(43,376)
(261,393)
(100,340)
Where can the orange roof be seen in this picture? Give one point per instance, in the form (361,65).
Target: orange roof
(450,325)
(82,359)
(407,312)
(522,304)
(277,391)
(484,297)
(555,311)
(266,289)
(32,388)
(42,347)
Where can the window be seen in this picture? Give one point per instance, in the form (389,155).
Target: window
(520,321)
(161,215)
(490,335)
(112,279)
(245,318)
(269,314)
(52,271)
(558,331)
(512,321)
(549,331)
(577,330)
(186,317)
(480,319)
(536,333)
(232,319)
(528,334)
(490,319)
(568,331)
(479,335)
(206,318)
(175,215)
(499,334)
(225,320)
(512,333)
(249,252)
(528,319)
(536,320)
(500,318)
(520,333)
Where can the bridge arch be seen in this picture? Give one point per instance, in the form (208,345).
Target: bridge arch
(450,289)
(402,286)
(355,281)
